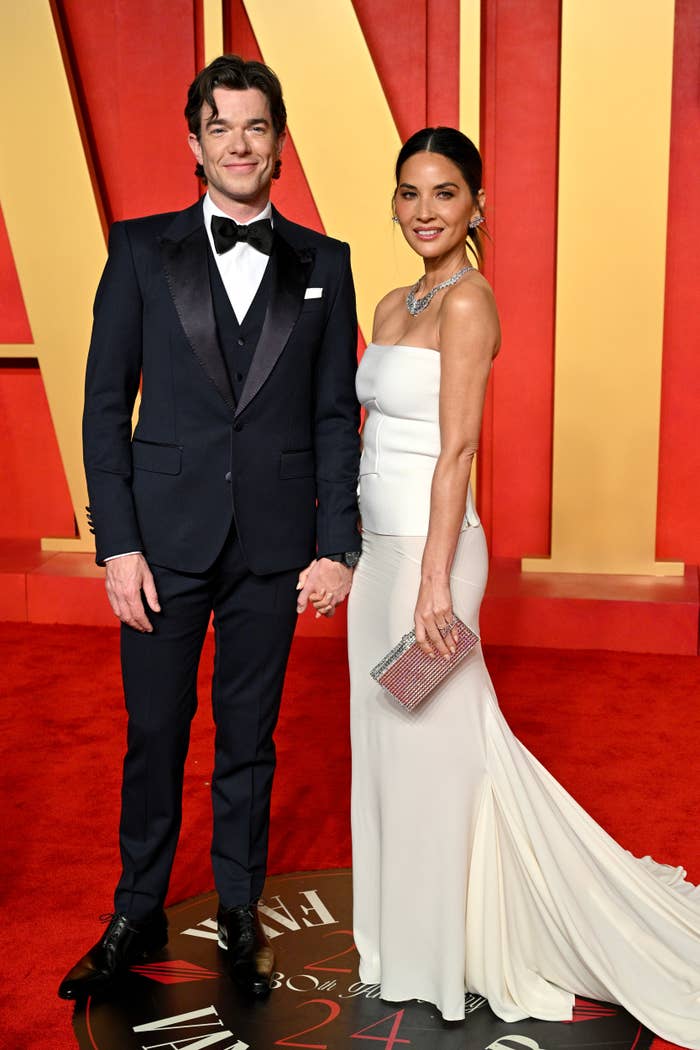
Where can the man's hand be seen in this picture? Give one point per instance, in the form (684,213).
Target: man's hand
(126,578)
(325,584)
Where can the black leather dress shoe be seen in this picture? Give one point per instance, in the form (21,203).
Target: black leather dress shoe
(249,958)
(123,943)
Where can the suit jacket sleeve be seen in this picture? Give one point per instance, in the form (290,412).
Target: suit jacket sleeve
(111,385)
(337,419)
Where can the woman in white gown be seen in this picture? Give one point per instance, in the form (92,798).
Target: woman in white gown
(473,869)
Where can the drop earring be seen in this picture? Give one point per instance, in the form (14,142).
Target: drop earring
(476,221)
(394,218)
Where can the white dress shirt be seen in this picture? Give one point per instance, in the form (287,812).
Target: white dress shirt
(242,267)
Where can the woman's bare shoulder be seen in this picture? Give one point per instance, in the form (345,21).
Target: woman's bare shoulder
(472,292)
(387,304)
(471,303)
(391,299)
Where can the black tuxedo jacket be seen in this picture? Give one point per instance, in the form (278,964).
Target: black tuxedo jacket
(282,462)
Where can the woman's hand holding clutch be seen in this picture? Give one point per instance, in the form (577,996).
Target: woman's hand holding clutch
(433,617)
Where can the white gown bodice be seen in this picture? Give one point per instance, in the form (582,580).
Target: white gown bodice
(399,387)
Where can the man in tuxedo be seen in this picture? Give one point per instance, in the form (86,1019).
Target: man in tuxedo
(239,481)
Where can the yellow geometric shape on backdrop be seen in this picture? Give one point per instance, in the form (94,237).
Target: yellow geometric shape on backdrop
(213,25)
(54,227)
(616,77)
(470,69)
(344,133)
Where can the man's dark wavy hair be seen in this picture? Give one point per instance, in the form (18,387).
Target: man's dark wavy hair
(232,71)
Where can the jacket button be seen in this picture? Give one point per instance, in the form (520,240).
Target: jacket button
(241,342)
(239,377)
(227,476)
(238,427)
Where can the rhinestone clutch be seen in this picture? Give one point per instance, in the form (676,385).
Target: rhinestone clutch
(410,675)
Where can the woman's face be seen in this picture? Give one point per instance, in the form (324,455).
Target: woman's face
(433,204)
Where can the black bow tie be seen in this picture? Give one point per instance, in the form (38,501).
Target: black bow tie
(226,233)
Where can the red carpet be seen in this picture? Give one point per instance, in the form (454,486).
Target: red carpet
(621,732)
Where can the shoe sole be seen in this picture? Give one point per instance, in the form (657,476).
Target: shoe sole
(258,989)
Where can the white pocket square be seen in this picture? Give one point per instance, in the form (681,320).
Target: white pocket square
(313,293)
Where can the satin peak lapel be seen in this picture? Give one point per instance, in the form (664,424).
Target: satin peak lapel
(290,277)
(187,272)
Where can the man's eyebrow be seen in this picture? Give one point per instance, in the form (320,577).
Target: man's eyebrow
(222,120)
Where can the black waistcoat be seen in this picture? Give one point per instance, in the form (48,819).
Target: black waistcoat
(238,341)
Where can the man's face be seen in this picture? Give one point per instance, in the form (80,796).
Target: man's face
(238,150)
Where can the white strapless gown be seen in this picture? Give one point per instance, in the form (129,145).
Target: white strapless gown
(473,869)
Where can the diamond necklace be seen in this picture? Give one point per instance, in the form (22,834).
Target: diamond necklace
(417,306)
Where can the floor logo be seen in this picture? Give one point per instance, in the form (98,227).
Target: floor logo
(176,972)
(587,1011)
(183,998)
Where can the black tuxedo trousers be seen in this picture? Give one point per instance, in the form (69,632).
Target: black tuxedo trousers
(254,620)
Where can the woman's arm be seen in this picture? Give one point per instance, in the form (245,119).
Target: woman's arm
(469,338)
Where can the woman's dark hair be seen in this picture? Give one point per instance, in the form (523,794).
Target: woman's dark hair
(450,143)
(232,71)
